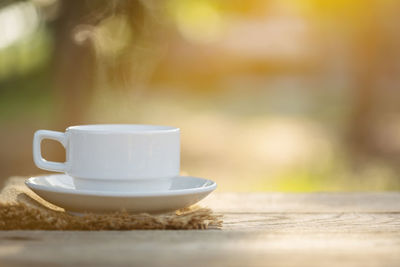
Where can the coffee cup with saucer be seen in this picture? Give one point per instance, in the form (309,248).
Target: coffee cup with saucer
(111,167)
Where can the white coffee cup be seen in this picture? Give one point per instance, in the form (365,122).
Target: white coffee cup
(115,156)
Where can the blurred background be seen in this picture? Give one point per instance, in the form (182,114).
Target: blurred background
(270,95)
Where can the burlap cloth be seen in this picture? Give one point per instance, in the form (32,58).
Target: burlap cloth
(22,209)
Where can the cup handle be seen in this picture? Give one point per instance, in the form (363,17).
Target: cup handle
(37,153)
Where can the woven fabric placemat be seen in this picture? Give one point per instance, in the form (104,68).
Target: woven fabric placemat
(22,209)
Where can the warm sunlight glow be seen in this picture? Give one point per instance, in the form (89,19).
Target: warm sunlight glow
(198,21)
(17,21)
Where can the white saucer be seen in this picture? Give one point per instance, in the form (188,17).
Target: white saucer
(61,191)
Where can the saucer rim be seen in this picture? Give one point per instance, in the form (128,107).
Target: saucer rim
(188,191)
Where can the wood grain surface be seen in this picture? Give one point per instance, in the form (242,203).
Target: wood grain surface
(260,229)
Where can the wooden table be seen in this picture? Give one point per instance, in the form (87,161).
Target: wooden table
(260,229)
